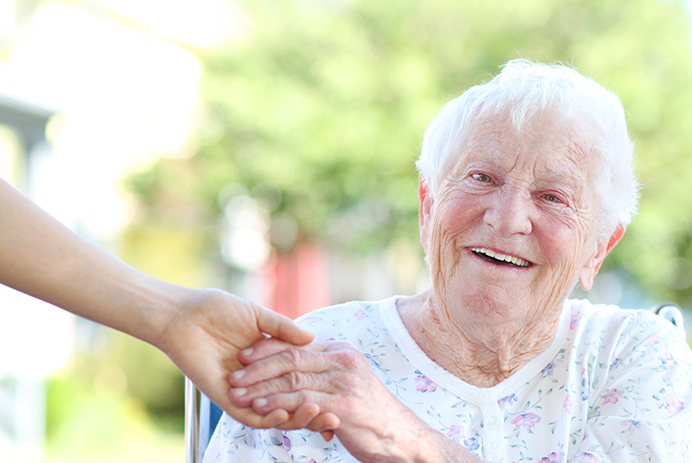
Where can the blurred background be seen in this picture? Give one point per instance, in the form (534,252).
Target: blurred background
(266,147)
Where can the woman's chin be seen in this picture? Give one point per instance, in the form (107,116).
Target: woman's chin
(492,306)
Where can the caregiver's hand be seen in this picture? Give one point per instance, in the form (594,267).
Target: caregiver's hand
(205,335)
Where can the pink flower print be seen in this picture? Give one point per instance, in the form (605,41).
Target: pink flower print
(456,432)
(669,401)
(528,420)
(312,460)
(612,396)
(554,458)
(423,383)
(573,322)
(653,340)
(567,404)
(360,314)
(287,443)
(585,457)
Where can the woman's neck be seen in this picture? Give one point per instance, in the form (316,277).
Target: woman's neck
(480,353)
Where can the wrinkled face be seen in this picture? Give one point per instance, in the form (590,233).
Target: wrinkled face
(512,227)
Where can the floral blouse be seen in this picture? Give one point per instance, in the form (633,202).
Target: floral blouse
(614,386)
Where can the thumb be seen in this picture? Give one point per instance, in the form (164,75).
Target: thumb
(281,327)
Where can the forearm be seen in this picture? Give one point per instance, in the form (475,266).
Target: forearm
(423,444)
(443,449)
(41,257)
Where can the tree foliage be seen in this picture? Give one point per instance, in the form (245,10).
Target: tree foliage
(322,107)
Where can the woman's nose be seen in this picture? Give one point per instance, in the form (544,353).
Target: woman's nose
(509,213)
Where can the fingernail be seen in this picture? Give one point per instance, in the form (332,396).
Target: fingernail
(238,374)
(260,402)
(248,352)
(239,392)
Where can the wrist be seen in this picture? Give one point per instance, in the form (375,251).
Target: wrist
(162,304)
(438,448)
(423,444)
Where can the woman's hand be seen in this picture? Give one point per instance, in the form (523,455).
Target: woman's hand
(370,422)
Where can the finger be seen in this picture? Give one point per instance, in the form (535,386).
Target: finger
(271,346)
(301,418)
(289,401)
(311,419)
(291,382)
(274,418)
(293,359)
(262,349)
(327,435)
(326,421)
(281,327)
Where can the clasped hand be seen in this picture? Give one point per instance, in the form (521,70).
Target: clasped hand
(328,387)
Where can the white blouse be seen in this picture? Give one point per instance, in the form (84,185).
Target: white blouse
(614,386)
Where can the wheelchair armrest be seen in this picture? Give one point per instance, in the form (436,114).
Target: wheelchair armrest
(671,312)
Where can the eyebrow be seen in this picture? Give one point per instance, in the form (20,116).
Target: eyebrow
(554,176)
(543,174)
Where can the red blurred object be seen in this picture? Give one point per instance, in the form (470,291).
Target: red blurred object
(300,280)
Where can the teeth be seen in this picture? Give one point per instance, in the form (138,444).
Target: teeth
(496,255)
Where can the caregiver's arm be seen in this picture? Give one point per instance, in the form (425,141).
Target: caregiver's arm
(372,424)
(202,331)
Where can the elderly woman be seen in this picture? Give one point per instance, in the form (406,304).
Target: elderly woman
(526,185)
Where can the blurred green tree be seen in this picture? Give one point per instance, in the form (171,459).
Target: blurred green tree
(320,110)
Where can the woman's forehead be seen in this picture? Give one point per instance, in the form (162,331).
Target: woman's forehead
(559,140)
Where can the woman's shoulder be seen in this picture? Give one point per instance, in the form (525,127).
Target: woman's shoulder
(610,324)
(602,315)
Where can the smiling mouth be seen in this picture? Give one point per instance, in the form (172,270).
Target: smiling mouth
(500,259)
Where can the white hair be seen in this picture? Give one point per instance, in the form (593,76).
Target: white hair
(523,89)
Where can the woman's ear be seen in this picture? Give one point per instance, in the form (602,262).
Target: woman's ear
(424,211)
(603,248)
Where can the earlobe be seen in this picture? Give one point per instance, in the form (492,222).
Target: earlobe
(603,248)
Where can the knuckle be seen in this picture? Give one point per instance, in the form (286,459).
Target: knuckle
(349,382)
(305,396)
(264,388)
(293,355)
(296,381)
(349,359)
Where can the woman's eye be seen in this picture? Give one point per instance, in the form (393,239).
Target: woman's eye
(552,198)
(482,177)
